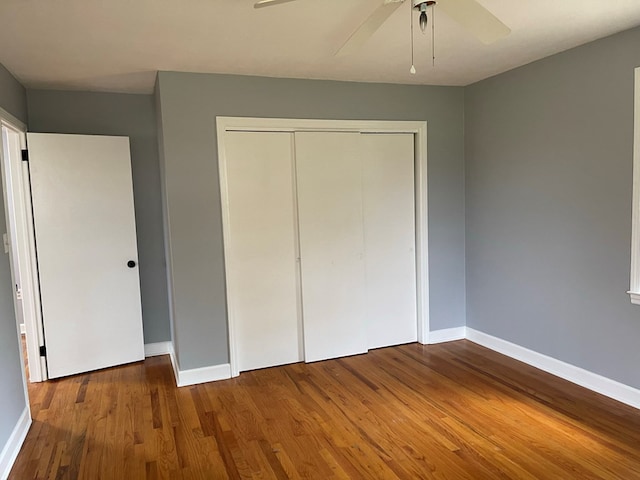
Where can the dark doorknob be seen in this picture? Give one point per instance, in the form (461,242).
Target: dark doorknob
(131,264)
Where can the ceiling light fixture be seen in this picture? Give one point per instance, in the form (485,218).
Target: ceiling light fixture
(423,20)
(422,6)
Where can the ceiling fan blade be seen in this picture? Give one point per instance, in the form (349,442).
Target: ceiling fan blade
(270,3)
(475,18)
(368,28)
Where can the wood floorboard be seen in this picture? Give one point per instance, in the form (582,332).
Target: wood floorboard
(448,411)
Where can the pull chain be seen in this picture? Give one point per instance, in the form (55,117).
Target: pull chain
(412,70)
(433,35)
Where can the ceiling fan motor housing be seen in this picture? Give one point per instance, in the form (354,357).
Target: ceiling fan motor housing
(422,4)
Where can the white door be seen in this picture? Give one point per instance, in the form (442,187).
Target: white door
(390,238)
(329,174)
(261,249)
(87,253)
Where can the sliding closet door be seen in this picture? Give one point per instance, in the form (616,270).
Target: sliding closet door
(261,249)
(329,173)
(389,232)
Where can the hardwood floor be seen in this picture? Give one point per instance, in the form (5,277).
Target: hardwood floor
(449,411)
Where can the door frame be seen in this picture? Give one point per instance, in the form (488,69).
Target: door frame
(21,221)
(419,131)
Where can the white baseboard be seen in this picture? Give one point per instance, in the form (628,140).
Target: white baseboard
(203,375)
(159,348)
(12,448)
(199,375)
(446,335)
(603,385)
(174,364)
(593,381)
(23,329)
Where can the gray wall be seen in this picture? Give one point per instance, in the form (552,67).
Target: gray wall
(548,202)
(165,219)
(12,398)
(12,95)
(132,116)
(189,105)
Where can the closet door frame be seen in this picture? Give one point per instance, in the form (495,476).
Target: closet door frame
(419,131)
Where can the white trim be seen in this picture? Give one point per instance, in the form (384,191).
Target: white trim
(203,375)
(174,365)
(255,124)
(14,443)
(422,231)
(634,289)
(447,335)
(418,129)
(635,297)
(23,329)
(16,192)
(196,375)
(12,121)
(603,385)
(156,349)
(221,126)
(34,325)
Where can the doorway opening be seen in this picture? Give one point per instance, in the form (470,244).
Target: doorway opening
(19,244)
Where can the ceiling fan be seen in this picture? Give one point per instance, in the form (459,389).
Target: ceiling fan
(468,13)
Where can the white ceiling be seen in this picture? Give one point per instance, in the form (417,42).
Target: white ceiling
(118,45)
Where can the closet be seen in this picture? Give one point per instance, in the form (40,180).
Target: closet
(320,243)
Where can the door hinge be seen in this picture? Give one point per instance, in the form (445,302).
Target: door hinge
(43,351)
(25,155)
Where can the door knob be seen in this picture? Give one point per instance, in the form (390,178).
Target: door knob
(131,264)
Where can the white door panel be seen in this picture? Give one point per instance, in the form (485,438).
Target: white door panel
(261,250)
(85,233)
(329,173)
(389,226)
